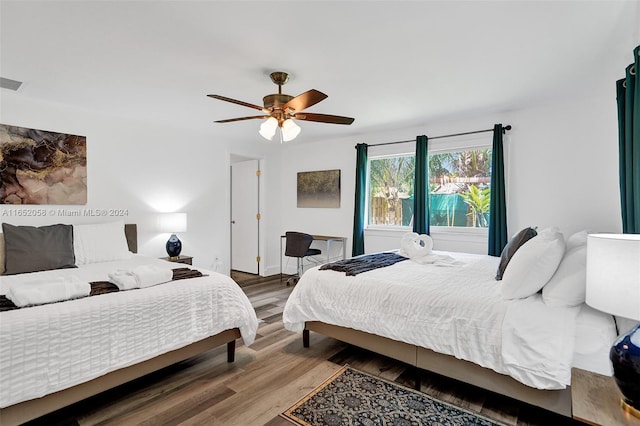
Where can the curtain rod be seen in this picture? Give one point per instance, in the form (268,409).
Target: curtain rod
(504,129)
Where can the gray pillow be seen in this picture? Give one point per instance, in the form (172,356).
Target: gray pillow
(512,246)
(32,249)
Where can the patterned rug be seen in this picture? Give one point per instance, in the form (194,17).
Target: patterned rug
(351,397)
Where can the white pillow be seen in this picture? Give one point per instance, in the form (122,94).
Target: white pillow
(578,239)
(533,264)
(102,242)
(567,287)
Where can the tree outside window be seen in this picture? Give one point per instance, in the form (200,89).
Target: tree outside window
(390,185)
(459,189)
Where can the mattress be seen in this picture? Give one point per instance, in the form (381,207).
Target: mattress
(454,310)
(47,348)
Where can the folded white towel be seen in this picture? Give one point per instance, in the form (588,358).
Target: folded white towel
(140,277)
(419,248)
(413,245)
(125,280)
(38,292)
(149,275)
(437,259)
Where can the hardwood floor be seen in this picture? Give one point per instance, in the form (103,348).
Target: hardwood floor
(267,378)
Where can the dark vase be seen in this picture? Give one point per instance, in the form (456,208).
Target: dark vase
(174,246)
(625,357)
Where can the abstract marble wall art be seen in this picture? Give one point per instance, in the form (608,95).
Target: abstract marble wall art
(42,167)
(319,189)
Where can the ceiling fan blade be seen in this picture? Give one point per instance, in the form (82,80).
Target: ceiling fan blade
(229,120)
(235,101)
(305,100)
(323,118)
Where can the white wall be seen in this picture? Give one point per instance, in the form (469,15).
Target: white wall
(304,157)
(562,170)
(143,168)
(564,166)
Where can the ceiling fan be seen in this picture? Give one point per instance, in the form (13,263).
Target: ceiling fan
(280,110)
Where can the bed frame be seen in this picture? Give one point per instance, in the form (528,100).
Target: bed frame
(558,401)
(28,410)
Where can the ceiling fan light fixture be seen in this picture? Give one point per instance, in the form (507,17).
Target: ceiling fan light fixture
(290,130)
(268,128)
(280,109)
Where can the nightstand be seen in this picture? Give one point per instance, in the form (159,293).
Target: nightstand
(187,260)
(596,400)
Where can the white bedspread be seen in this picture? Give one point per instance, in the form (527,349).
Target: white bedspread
(51,347)
(456,310)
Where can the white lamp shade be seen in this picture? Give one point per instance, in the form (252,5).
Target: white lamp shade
(289,130)
(268,128)
(172,222)
(613,274)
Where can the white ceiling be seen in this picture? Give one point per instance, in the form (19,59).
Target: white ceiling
(389,64)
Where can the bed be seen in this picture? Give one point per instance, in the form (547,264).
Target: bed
(55,354)
(453,317)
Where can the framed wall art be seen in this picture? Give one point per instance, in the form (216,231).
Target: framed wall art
(319,189)
(42,167)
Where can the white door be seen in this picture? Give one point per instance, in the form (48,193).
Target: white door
(244,216)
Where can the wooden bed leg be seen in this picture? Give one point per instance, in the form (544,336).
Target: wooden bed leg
(231,351)
(418,378)
(305,338)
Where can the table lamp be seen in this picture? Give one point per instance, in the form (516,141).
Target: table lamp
(613,286)
(173,223)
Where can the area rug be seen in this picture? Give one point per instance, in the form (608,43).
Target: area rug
(351,397)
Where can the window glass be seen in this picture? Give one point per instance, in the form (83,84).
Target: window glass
(391,190)
(459,189)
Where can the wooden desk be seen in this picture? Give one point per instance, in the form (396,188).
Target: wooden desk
(328,239)
(596,400)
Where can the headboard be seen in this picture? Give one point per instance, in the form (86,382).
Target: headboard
(131,232)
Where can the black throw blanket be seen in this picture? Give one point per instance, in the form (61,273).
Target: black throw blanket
(369,262)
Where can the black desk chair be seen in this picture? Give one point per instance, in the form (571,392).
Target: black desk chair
(297,245)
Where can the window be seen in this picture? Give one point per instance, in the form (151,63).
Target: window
(391,190)
(459,188)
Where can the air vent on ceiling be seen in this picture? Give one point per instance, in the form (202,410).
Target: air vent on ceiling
(7,83)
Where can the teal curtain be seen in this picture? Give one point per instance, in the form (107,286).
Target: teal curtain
(361,200)
(421,188)
(497,204)
(628,96)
